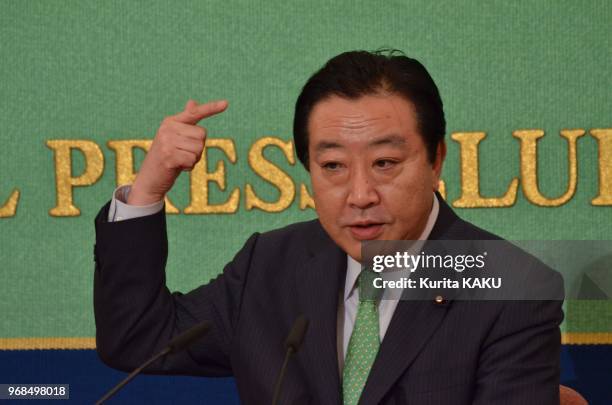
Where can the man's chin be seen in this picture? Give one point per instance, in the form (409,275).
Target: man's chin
(355,255)
(354,246)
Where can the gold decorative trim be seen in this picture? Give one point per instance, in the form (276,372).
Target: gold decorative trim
(586,338)
(76,343)
(48,343)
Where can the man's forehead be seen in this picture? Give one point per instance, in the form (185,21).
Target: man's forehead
(367,122)
(393,140)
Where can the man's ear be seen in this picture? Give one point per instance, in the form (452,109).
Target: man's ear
(438,163)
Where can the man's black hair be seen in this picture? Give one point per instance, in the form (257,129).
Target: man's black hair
(354,74)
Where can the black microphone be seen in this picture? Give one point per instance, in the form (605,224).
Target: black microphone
(177,344)
(292,345)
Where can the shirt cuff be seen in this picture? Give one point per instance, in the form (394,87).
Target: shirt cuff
(119,210)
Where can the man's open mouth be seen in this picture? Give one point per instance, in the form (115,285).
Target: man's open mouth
(366,231)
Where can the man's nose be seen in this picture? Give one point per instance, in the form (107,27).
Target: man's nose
(362,193)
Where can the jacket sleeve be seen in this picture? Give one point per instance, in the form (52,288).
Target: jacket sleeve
(520,358)
(136,315)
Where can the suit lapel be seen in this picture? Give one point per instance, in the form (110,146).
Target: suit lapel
(319,279)
(412,325)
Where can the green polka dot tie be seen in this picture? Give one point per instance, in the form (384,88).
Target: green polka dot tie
(364,343)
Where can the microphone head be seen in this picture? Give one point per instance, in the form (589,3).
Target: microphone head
(296,335)
(186,338)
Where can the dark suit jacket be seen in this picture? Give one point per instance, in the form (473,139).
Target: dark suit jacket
(454,352)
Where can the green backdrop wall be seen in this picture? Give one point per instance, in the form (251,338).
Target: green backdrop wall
(102,71)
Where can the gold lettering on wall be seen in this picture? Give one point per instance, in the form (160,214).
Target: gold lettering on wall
(10,206)
(200,177)
(306,200)
(442,189)
(469,153)
(529,166)
(124,166)
(64,182)
(470,175)
(271,173)
(604,144)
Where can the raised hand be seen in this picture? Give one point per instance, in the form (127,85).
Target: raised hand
(177,147)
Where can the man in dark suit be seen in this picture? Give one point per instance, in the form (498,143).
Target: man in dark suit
(369,128)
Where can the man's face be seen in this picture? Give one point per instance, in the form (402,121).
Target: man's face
(369,168)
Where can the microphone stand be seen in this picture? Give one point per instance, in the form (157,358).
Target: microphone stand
(277,387)
(131,376)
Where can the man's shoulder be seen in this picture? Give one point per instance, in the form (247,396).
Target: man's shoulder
(533,278)
(293,238)
(296,229)
(450,226)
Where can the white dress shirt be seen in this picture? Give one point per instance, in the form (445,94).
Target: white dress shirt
(119,210)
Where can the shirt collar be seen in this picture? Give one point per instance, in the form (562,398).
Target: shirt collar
(354,267)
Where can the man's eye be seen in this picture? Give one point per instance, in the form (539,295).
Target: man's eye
(332,166)
(384,163)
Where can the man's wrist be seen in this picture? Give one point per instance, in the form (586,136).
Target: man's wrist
(137,197)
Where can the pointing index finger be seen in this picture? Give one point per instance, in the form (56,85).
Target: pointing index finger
(195,112)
